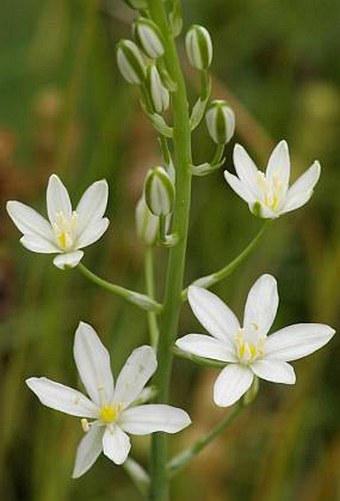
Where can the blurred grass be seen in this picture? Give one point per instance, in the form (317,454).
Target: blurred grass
(65,109)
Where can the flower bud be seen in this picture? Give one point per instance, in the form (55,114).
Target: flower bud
(146,223)
(220,120)
(130,62)
(159,191)
(199,47)
(137,4)
(148,36)
(158,93)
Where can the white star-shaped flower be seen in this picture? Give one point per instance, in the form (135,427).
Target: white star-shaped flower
(66,231)
(268,194)
(248,350)
(113,408)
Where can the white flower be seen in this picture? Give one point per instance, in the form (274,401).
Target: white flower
(268,195)
(112,407)
(248,350)
(67,231)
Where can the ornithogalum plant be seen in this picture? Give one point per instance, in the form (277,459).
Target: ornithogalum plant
(245,352)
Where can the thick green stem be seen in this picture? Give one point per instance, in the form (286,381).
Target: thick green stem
(209,280)
(150,289)
(174,282)
(181,460)
(144,302)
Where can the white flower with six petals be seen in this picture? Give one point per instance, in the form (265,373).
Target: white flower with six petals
(67,231)
(269,195)
(113,407)
(248,350)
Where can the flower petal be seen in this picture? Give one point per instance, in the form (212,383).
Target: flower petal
(297,341)
(213,314)
(92,205)
(246,169)
(279,165)
(92,233)
(274,370)
(239,187)
(29,221)
(145,419)
(57,199)
(38,244)
(137,371)
(261,306)
(207,347)
(62,398)
(301,191)
(68,259)
(116,444)
(93,364)
(231,384)
(88,450)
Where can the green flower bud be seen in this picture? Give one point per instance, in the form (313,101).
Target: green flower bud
(220,120)
(199,47)
(149,38)
(137,4)
(146,223)
(158,93)
(130,62)
(159,191)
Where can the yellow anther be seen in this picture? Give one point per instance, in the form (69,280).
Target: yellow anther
(109,413)
(85,425)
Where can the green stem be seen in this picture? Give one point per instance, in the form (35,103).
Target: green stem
(181,460)
(209,280)
(175,271)
(150,289)
(144,302)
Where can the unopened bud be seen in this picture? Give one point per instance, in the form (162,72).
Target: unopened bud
(159,192)
(159,94)
(199,47)
(220,120)
(147,224)
(148,36)
(137,4)
(130,62)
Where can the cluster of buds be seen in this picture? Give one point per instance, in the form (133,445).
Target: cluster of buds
(137,61)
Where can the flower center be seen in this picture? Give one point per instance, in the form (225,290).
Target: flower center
(64,230)
(110,413)
(271,191)
(248,350)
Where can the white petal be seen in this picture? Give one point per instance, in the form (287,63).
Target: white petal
(246,169)
(297,341)
(274,370)
(261,306)
(68,260)
(38,244)
(88,450)
(29,221)
(231,384)
(240,188)
(145,419)
(92,204)
(57,199)
(137,371)
(92,233)
(116,444)
(93,364)
(207,347)
(62,398)
(279,165)
(301,191)
(213,314)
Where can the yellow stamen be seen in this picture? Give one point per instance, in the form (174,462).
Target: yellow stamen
(109,413)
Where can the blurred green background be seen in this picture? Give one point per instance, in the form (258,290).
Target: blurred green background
(64,108)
